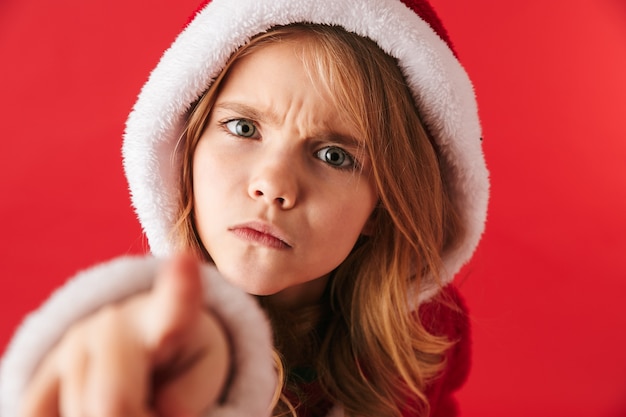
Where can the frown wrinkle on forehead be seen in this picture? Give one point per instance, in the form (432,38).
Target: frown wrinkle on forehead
(322,131)
(309,111)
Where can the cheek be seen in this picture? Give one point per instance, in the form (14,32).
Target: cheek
(339,231)
(211,171)
(201,182)
(350,218)
(364,203)
(206,187)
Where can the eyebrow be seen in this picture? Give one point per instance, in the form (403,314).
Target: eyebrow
(348,141)
(252,113)
(248,112)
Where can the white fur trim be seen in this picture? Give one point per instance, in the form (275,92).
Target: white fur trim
(441,87)
(254,380)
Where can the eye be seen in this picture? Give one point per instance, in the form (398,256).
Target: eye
(336,157)
(241,127)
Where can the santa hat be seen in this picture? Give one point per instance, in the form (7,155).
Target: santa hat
(408,30)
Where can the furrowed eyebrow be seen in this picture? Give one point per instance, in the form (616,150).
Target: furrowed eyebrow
(341,139)
(247,112)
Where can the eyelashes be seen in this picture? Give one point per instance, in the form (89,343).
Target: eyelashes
(332,155)
(241,127)
(336,157)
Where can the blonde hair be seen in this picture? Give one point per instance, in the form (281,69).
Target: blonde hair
(370,352)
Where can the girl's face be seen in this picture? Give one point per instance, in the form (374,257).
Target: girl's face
(281,190)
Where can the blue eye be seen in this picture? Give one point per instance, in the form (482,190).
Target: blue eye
(241,127)
(336,157)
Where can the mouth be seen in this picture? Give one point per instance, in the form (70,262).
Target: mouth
(261,234)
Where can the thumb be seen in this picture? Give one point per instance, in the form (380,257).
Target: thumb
(173,304)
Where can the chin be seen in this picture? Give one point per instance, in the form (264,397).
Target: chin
(261,292)
(252,284)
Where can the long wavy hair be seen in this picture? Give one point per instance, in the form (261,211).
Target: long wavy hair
(364,345)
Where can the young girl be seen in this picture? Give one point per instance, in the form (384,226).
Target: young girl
(324,157)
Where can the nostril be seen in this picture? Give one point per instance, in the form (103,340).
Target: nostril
(270,197)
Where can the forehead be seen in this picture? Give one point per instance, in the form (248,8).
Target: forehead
(294,57)
(284,69)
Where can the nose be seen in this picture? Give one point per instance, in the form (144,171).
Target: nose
(274,182)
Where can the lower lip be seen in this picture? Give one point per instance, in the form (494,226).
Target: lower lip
(262,239)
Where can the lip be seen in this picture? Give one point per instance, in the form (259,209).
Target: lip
(262,234)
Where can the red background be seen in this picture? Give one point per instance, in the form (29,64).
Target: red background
(547,286)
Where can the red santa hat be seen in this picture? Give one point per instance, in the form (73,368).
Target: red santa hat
(408,30)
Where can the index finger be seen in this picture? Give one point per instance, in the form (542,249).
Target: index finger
(174,305)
